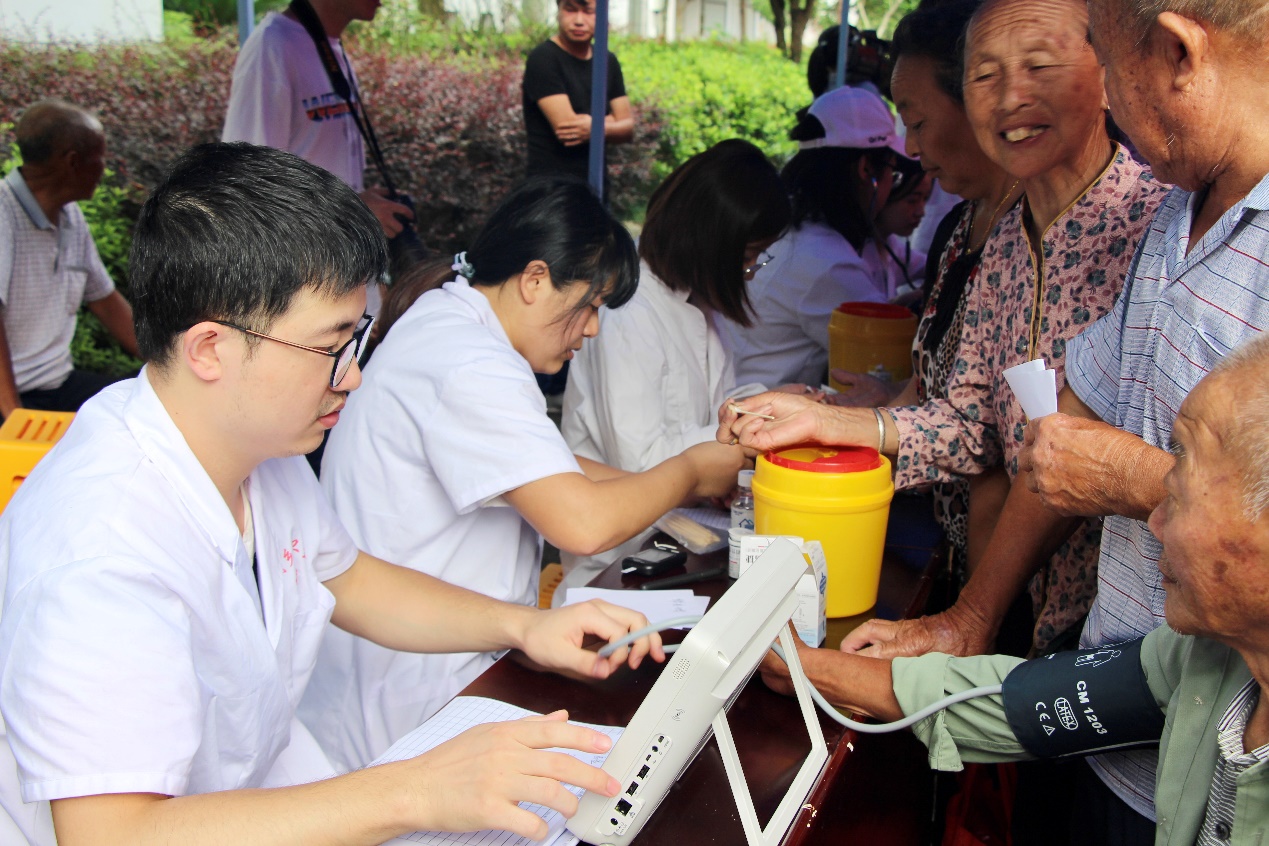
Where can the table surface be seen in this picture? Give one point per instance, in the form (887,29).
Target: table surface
(874,789)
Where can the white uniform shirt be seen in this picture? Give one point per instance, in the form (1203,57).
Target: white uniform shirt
(812,271)
(132,658)
(282,97)
(448,418)
(645,389)
(46,273)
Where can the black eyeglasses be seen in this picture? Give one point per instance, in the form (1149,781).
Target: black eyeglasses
(343,356)
(763,260)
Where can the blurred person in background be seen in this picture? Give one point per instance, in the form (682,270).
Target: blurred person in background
(848,163)
(49,265)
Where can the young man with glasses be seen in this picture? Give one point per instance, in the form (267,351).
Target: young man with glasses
(171,565)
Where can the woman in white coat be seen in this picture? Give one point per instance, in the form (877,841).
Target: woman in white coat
(446,461)
(650,385)
(848,162)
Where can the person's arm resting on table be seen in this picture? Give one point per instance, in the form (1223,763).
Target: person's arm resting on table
(469,783)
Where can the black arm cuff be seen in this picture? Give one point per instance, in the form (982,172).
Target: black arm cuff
(1089,700)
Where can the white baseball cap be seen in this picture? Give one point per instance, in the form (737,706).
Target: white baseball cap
(856,118)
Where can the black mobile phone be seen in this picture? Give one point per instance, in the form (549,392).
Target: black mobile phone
(653,562)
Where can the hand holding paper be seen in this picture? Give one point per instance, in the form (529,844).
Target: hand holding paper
(1035,386)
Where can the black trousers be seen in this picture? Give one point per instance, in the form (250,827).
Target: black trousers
(79,387)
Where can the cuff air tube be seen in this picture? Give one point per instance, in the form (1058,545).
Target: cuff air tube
(1090,700)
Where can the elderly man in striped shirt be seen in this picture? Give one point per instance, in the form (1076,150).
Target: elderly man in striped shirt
(1185,80)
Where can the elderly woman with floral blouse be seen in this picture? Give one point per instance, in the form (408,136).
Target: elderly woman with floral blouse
(1054,263)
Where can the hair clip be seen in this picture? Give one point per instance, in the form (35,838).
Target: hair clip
(462,266)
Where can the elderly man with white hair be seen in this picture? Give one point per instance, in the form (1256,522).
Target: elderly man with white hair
(1196,685)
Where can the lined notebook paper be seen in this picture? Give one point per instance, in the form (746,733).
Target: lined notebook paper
(459,715)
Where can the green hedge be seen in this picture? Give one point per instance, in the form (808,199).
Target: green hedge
(710,91)
(446,102)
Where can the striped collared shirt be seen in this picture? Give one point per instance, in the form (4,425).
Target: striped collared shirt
(1182,310)
(1222,800)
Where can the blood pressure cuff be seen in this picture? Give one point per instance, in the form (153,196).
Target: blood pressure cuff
(1090,700)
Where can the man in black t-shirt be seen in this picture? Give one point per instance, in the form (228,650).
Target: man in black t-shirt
(557,90)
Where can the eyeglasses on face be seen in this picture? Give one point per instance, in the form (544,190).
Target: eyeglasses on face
(351,349)
(763,260)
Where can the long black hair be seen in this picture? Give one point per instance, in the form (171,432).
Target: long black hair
(557,221)
(703,215)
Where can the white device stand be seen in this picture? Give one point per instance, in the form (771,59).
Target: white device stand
(690,699)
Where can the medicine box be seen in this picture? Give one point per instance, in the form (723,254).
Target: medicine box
(809,617)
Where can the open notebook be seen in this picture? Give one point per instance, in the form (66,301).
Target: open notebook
(463,713)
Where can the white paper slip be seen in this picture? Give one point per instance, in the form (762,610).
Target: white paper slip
(1034,386)
(466,712)
(653,604)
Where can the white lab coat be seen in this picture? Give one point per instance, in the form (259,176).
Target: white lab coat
(646,388)
(812,271)
(448,418)
(132,658)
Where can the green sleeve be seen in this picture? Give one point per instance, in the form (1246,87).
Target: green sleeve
(976,730)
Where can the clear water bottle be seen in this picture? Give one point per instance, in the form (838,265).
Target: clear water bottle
(742,505)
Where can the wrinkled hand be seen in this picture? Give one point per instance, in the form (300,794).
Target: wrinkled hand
(956,631)
(386,210)
(554,639)
(861,391)
(475,781)
(716,466)
(798,420)
(1081,467)
(575,131)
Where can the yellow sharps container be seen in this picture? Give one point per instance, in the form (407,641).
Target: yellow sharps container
(839,497)
(871,338)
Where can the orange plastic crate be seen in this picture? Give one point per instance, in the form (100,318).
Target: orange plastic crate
(25,437)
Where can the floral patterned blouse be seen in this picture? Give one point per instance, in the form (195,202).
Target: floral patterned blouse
(934,353)
(1086,256)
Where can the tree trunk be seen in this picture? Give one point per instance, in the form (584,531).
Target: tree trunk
(777,16)
(799,16)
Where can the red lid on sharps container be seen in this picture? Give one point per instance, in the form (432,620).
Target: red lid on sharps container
(882,310)
(821,459)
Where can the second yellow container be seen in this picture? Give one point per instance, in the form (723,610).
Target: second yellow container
(839,497)
(871,338)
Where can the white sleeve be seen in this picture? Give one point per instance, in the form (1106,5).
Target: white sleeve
(260,98)
(84,702)
(489,433)
(627,366)
(848,278)
(8,247)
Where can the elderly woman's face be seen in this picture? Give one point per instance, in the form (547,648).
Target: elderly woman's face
(1033,86)
(938,132)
